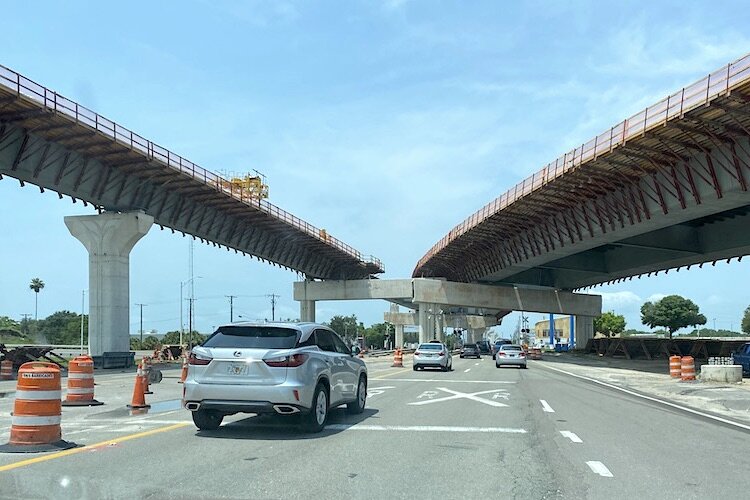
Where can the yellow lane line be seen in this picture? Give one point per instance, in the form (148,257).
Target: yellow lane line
(73,451)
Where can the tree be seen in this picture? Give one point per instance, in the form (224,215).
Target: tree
(150,343)
(36,285)
(672,312)
(171,338)
(746,321)
(346,326)
(135,343)
(609,323)
(62,327)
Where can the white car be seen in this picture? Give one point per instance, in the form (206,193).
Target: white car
(282,368)
(433,354)
(510,355)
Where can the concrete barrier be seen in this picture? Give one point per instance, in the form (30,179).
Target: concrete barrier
(721,373)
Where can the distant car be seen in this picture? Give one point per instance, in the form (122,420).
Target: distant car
(484,346)
(497,344)
(282,368)
(510,355)
(470,351)
(433,354)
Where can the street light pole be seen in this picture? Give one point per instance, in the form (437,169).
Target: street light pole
(231,307)
(141,306)
(182,323)
(83,302)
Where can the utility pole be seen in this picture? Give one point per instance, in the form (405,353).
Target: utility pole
(190,323)
(273,305)
(231,307)
(141,306)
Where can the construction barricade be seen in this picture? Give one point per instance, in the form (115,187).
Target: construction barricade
(675,366)
(687,368)
(6,369)
(398,359)
(35,424)
(81,383)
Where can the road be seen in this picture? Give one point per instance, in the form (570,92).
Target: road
(476,432)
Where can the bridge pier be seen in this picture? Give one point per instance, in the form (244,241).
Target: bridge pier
(307,311)
(109,237)
(423,323)
(399,336)
(584,330)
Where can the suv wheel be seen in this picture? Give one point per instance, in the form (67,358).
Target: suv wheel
(358,405)
(315,420)
(207,420)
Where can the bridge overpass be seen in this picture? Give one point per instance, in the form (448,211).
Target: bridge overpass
(663,189)
(55,143)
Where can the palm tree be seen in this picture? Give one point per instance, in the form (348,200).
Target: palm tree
(36,285)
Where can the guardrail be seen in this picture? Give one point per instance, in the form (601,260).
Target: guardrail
(676,105)
(24,87)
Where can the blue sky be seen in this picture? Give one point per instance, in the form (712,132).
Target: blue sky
(386,123)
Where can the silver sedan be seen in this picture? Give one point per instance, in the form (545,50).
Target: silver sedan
(510,355)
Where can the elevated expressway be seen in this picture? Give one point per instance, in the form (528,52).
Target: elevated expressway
(57,144)
(666,188)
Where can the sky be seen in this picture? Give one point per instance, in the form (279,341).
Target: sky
(384,122)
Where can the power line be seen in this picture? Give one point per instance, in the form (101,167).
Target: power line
(273,305)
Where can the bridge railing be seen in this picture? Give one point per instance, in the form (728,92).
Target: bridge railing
(54,102)
(673,106)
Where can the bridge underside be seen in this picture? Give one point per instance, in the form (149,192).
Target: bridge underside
(55,144)
(665,189)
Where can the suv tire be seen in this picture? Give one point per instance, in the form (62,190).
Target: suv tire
(315,419)
(358,405)
(207,420)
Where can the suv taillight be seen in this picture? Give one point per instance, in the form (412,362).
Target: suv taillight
(522,355)
(417,353)
(501,354)
(195,359)
(441,353)
(292,361)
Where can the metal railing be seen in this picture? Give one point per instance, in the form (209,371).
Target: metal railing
(54,102)
(674,106)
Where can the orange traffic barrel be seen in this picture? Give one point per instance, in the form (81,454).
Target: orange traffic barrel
(688,368)
(398,359)
(6,369)
(35,424)
(81,382)
(184,373)
(675,367)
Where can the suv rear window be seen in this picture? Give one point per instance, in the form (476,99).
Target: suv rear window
(253,336)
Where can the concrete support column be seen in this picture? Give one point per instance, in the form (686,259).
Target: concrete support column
(423,324)
(109,237)
(439,331)
(399,336)
(584,330)
(307,311)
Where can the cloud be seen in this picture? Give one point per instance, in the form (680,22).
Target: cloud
(619,300)
(655,297)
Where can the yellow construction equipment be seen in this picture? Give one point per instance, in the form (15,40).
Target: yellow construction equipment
(252,186)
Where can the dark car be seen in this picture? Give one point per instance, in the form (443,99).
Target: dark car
(470,351)
(498,344)
(484,346)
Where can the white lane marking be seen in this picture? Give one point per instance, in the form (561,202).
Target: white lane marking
(476,364)
(449,381)
(572,436)
(467,370)
(462,395)
(655,400)
(377,391)
(546,407)
(428,395)
(599,468)
(422,428)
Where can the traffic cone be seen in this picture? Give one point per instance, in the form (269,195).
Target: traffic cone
(183,376)
(139,399)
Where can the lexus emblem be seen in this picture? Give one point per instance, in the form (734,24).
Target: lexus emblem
(237,354)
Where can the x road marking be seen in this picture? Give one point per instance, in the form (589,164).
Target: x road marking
(463,395)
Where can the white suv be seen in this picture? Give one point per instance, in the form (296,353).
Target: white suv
(283,368)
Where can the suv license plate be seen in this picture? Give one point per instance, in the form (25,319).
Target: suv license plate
(237,369)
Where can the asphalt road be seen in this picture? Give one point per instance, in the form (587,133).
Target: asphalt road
(476,432)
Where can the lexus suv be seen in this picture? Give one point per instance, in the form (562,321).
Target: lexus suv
(282,368)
